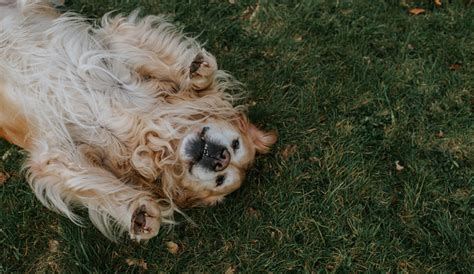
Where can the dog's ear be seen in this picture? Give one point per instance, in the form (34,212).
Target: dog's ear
(262,140)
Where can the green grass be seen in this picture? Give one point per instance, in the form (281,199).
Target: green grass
(352,87)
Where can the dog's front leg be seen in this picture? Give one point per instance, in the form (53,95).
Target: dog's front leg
(202,71)
(61,180)
(160,53)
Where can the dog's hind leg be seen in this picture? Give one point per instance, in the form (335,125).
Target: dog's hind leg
(61,179)
(14,126)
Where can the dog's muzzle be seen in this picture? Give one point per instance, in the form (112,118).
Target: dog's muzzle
(207,153)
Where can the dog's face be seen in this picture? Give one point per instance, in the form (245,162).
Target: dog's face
(216,155)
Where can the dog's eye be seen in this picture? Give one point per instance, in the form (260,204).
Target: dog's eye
(203,132)
(235,144)
(190,168)
(220,180)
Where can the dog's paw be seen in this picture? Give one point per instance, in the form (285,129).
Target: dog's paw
(201,70)
(145,222)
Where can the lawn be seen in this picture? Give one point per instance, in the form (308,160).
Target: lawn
(373,169)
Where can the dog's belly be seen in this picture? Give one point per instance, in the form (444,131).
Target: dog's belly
(13,124)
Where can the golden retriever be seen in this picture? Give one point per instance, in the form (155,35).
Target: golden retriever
(128,118)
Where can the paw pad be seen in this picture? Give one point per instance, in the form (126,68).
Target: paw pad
(145,224)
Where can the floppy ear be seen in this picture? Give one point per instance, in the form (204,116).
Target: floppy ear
(262,140)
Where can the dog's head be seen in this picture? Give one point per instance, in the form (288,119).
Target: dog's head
(216,155)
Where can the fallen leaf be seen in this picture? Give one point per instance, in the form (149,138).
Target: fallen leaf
(137,262)
(53,246)
(439,134)
(253,212)
(172,247)
(398,166)
(455,66)
(437,3)
(230,270)
(403,3)
(250,12)
(314,159)
(394,200)
(404,265)
(232,2)
(3,177)
(346,11)
(416,11)
(298,38)
(330,267)
(288,151)
(410,47)
(228,245)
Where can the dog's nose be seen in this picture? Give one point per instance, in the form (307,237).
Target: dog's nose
(222,161)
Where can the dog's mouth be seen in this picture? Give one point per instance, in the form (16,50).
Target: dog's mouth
(207,153)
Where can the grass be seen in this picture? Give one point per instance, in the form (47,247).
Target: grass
(352,87)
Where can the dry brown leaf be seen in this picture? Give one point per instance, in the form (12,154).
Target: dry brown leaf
(455,66)
(137,262)
(330,267)
(232,2)
(3,177)
(405,265)
(230,270)
(53,246)
(416,11)
(437,3)
(398,166)
(346,11)
(439,134)
(289,151)
(172,247)
(314,159)
(253,212)
(250,12)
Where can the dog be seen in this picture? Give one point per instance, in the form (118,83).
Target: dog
(128,118)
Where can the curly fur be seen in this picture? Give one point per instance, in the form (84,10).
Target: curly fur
(106,107)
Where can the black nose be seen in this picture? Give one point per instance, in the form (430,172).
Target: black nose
(222,161)
(214,157)
(208,154)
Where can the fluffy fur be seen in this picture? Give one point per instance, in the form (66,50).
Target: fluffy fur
(109,114)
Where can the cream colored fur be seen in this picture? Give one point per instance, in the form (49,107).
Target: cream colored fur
(107,107)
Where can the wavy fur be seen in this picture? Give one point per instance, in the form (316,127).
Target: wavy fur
(107,106)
